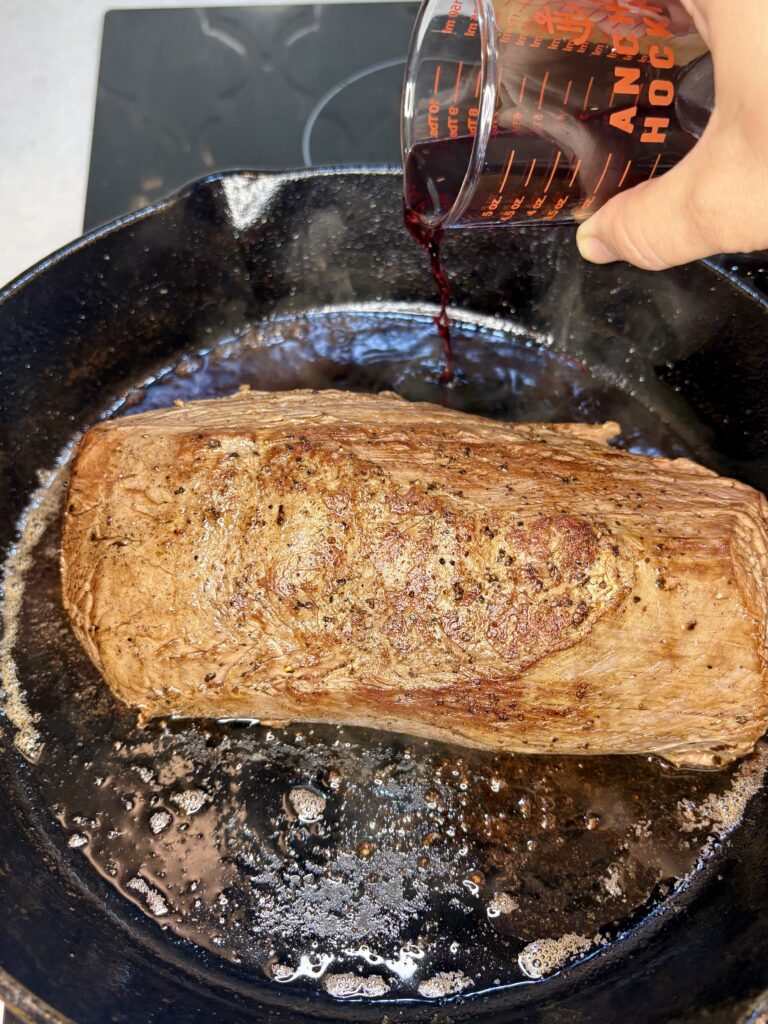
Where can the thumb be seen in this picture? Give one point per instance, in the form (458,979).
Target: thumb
(673,219)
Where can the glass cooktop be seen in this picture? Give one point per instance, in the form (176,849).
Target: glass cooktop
(186,92)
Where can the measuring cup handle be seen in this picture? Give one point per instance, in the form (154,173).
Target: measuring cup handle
(696,95)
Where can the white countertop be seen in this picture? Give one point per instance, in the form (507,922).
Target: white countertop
(49,64)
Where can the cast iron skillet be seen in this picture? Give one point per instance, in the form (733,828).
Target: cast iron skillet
(77,329)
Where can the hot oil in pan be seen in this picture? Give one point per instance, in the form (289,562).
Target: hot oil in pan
(366,864)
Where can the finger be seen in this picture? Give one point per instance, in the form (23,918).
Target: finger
(682,216)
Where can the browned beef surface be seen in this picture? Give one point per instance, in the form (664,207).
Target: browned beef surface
(349,558)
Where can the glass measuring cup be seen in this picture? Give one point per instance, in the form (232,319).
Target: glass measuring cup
(524,111)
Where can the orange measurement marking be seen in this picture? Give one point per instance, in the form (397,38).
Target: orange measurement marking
(624,175)
(655,167)
(543,89)
(506,171)
(557,161)
(602,176)
(477,83)
(437,80)
(458,79)
(568,91)
(587,95)
(575,172)
(530,174)
(522,88)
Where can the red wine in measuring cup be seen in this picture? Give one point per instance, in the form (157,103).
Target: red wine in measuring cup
(604,127)
(537,187)
(434,173)
(535,184)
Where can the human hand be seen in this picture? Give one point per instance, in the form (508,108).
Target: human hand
(716,199)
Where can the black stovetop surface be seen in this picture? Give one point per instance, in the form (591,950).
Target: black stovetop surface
(189,91)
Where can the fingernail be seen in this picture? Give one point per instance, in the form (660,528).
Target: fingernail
(594,250)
